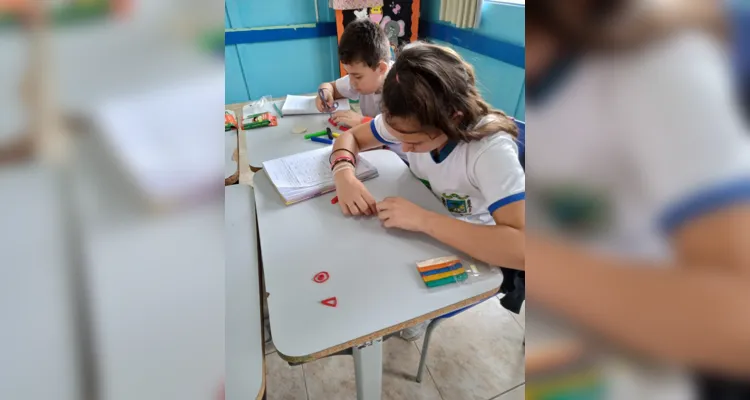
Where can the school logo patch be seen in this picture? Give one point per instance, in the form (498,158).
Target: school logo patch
(456,203)
(579,210)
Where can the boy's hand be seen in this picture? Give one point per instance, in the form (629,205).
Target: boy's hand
(329,100)
(397,212)
(347,118)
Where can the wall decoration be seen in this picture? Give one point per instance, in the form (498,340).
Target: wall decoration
(398,18)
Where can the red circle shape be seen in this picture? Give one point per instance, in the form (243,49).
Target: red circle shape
(321,277)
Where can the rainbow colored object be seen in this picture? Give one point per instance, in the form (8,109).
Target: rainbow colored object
(441,271)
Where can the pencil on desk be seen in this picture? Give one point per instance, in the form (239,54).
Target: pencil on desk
(278,111)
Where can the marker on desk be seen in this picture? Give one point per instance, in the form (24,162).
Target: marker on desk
(321,140)
(329,133)
(312,135)
(278,111)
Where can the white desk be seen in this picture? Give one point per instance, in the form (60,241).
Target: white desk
(38,339)
(244,339)
(268,143)
(372,273)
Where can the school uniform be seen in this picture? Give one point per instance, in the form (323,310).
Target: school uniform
(369,104)
(472,179)
(628,148)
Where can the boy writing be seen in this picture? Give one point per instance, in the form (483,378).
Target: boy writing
(366,56)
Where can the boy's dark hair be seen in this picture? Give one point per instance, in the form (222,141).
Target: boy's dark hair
(434,84)
(364,41)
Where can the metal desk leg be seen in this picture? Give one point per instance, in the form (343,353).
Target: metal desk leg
(368,368)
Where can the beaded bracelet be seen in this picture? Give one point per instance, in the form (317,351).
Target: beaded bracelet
(342,167)
(340,159)
(354,156)
(342,162)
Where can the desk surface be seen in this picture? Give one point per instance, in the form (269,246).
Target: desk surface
(268,143)
(372,270)
(244,339)
(37,296)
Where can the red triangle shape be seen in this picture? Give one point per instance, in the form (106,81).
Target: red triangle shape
(330,302)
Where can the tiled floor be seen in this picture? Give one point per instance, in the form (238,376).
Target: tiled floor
(475,355)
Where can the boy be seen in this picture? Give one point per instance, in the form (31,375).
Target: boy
(366,54)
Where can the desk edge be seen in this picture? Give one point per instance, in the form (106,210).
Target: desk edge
(383,332)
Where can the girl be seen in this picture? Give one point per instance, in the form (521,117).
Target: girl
(458,146)
(647,146)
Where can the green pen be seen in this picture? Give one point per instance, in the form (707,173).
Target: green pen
(316,134)
(278,111)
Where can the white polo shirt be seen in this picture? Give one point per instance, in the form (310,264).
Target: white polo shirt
(644,142)
(369,104)
(472,179)
(627,148)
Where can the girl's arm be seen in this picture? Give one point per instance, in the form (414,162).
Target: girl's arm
(695,314)
(359,138)
(496,171)
(696,311)
(354,198)
(502,244)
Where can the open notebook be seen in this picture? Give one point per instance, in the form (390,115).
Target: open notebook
(306,175)
(298,105)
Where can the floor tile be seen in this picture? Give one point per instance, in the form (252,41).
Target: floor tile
(477,354)
(400,362)
(518,393)
(282,381)
(333,377)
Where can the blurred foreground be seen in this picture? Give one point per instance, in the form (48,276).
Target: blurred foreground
(111,225)
(641,114)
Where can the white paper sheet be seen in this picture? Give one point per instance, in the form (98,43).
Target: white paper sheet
(304,175)
(168,161)
(298,105)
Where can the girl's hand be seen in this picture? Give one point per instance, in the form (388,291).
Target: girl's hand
(397,212)
(328,94)
(348,118)
(354,198)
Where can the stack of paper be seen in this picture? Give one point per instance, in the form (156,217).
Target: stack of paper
(169,163)
(306,175)
(298,105)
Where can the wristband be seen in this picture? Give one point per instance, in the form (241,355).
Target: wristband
(346,150)
(342,158)
(337,162)
(342,167)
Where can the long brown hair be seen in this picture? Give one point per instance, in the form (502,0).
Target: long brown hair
(434,85)
(621,24)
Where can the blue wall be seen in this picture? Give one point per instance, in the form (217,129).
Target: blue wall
(281,67)
(501,84)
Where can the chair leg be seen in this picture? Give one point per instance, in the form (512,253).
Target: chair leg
(425,345)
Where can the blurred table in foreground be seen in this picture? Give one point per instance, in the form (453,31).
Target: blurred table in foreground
(244,324)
